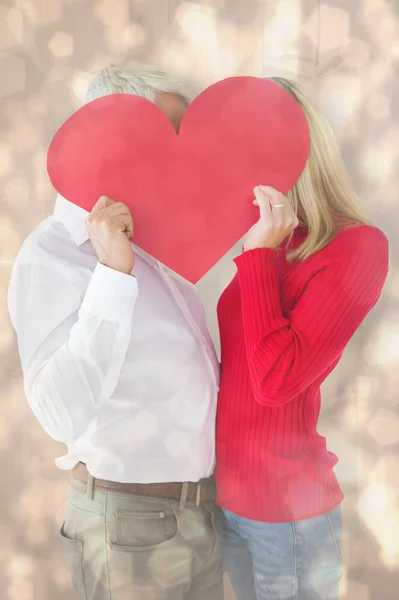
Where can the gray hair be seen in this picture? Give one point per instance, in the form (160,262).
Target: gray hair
(141,81)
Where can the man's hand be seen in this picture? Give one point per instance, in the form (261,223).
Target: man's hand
(277,220)
(110,227)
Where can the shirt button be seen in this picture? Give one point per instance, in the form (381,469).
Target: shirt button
(161,515)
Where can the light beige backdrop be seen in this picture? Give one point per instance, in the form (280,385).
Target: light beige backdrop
(346,52)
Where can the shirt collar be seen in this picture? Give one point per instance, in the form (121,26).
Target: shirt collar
(73,218)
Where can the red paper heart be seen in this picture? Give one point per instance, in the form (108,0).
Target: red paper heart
(190,195)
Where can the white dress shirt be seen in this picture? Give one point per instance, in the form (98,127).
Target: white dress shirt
(120,368)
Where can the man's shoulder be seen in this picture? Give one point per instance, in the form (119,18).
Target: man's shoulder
(51,246)
(45,238)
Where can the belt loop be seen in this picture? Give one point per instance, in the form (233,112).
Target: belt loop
(198,494)
(183,497)
(89,487)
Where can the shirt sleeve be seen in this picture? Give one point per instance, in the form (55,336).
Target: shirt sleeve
(72,347)
(288,353)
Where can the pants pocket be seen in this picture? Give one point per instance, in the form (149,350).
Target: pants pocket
(143,530)
(335,521)
(73,550)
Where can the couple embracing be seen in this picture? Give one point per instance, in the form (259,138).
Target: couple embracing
(182,468)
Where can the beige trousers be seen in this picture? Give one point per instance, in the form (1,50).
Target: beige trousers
(123,547)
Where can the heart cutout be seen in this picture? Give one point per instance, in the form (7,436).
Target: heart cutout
(190,194)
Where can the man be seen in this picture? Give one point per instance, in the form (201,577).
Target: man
(119,365)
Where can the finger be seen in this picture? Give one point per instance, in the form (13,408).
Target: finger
(122,223)
(118,208)
(280,206)
(102,203)
(121,220)
(264,204)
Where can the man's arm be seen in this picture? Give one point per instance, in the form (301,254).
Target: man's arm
(71,351)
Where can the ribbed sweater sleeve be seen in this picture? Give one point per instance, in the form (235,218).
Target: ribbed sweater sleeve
(286,353)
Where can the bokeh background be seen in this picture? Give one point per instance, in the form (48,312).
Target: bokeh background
(346,52)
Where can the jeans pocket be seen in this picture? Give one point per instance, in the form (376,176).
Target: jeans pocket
(73,549)
(334,518)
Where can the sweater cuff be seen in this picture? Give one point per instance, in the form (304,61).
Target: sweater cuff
(260,289)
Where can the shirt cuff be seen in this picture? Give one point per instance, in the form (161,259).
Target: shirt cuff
(111,295)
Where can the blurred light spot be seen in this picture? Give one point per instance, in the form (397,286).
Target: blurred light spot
(36,533)
(379,106)
(206,46)
(61,45)
(56,87)
(8,37)
(61,576)
(136,35)
(23,135)
(177,55)
(380,161)
(392,285)
(378,72)
(341,97)
(356,411)
(10,240)
(5,159)
(193,530)
(383,29)
(5,432)
(358,590)
(178,443)
(12,75)
(120,39)
(291,67)
(356,54)
(342,445)
(283,26)
(36,105)
(384,348)
(60,514)
(199,23)
(79,84)
(16,193)
(20,589)
(334,26)
(384,427)
(15,22)
(42,12)
(145,425)
(112,13)
(170,569)
(378,507)
(20,566)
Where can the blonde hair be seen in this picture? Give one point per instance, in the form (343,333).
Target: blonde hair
(323,197)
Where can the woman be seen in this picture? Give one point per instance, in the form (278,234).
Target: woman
(311,269)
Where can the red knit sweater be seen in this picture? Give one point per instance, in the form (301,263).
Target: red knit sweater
(283,329)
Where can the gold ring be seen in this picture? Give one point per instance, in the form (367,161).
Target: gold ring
(277,205)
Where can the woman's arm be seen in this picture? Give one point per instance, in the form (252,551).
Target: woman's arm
(286,354)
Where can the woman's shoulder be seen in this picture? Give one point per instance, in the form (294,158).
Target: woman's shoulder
(357,246)
(360,237)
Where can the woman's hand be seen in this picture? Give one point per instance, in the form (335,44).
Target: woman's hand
(277,220)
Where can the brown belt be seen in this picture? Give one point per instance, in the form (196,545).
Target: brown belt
(202,492)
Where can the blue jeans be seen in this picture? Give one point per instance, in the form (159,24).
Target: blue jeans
(284,561)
